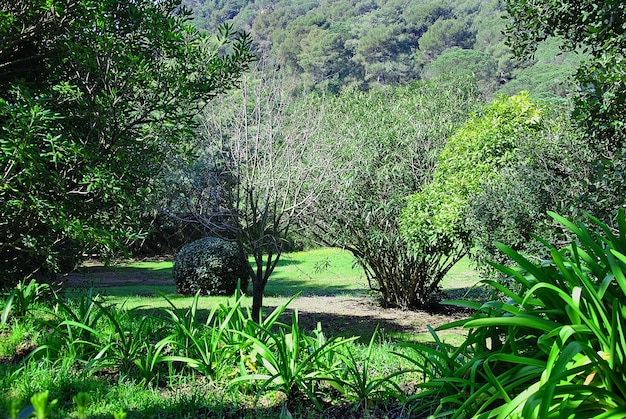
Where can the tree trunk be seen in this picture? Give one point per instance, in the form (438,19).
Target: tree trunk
(257,300)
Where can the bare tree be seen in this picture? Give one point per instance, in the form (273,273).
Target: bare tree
(252,179)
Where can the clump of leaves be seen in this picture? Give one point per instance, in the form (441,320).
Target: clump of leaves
(211,266)
(557,347)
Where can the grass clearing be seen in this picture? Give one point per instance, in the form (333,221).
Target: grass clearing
(323,272)
(326,275)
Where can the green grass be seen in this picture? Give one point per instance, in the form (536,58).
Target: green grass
(325,271)
(320,272)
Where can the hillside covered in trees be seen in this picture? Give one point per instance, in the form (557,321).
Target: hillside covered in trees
(332,44)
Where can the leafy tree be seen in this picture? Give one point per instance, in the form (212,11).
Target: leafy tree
(436,215)
(385,54)
(323,57)
(444,34)
(386,143)
(465,63)
(547,174)
(598,29)
(91,91)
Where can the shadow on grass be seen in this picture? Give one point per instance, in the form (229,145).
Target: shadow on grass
(200,400)
(135,285)
(281,287)
(333,324)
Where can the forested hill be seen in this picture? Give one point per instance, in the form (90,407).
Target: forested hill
(363,43)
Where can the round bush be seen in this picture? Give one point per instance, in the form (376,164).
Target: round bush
(211,266)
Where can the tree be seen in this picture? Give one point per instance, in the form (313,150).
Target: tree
(253,177)
(385,54)
(465,62)
(444,34)
(488,141)
(598,29)
(323,58)
(91,93)
(495,180)
(386,142)
(547,173)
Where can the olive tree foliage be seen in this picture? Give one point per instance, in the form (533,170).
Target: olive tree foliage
(90,91)
(252,177)
(387,142)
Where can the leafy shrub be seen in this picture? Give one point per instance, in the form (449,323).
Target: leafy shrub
(556,348)
(376,165)
(487,142)
(21,299)
(511,205)
(211,266)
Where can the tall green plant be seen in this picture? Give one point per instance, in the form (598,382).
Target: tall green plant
(355,377)
(435,216)
(22,298)
(557,347)
(291,361)
(216,346)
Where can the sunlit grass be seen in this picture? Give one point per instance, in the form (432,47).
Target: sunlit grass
(318,272)
(324,271)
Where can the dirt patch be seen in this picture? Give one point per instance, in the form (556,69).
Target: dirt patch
(361,314)
(337,314)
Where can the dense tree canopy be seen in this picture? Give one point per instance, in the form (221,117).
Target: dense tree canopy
(91,91)
(598,29)
(365,43)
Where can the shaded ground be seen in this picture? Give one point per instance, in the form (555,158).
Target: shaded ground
(337,314)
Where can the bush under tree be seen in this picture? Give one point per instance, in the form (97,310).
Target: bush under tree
(211,266)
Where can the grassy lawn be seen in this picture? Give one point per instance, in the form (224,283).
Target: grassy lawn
(319,272)
(173,390)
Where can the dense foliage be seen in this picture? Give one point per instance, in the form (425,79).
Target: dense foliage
(386,146)
(210,266)
(519,161)
(547,173)
(90,92)
(436,215)
(598,29)
(555,347)
(364,43)
(223,357)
